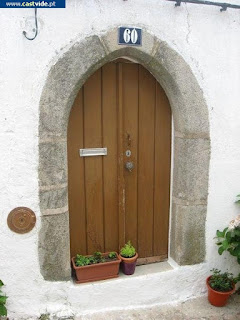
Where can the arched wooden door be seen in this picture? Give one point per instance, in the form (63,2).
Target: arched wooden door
(122,108)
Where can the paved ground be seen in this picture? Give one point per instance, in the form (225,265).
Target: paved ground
(197,309)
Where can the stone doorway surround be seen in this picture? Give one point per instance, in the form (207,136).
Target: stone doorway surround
(191,146)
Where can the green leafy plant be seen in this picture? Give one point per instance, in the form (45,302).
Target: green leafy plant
(3,299)
(81,260)
(238,199)
(112,255)
(222,282)
(44,316)
(229,239)
(128,251)
(98,257)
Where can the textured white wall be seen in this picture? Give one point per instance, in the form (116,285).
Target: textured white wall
(209,41)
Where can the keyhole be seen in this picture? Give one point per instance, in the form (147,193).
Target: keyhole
(128,140)
(128,153)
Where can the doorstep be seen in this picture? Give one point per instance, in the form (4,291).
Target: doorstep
(153,284)
(148,269)
(143,270)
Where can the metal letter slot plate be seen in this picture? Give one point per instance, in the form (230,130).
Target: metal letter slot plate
(93,152)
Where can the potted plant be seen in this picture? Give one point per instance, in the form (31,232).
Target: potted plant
(220,287)
(229,240)
(3,299)
(98,266)
(129,258)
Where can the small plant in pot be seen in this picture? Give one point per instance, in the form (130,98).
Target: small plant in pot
(98,266)
(220,287)
(129,258)
(3,299)
(228,240)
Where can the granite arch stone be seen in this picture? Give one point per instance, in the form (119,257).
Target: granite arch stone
(191,145)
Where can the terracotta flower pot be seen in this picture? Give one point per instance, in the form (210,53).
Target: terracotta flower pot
(218,298)
(99,271)
(129,264)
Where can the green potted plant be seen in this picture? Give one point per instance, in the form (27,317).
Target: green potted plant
(220,287)
(98,266)
(129,258)
(229,239)
(3,299)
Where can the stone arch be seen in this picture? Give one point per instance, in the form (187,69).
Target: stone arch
(191,146)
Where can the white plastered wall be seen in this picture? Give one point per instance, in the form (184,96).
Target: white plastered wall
(209,41)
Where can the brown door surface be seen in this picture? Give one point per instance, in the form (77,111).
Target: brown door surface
(122,108)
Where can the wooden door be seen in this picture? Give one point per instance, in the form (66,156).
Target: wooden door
(123,108)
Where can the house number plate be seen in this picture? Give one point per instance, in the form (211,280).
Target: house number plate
(130,36)
(93,152)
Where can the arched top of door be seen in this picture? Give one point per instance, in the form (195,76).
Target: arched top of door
(82,59)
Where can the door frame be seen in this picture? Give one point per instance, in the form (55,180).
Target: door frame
(191,145)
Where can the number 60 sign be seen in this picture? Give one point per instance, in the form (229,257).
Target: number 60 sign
(130,36)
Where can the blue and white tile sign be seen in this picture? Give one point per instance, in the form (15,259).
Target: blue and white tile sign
(130,36)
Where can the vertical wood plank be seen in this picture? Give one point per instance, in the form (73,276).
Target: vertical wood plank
(130,142)
(162,171)
(146,162)
(110,162)
(121,182)
(93,165)
(77,218)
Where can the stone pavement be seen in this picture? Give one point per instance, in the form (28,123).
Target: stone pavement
(196,309)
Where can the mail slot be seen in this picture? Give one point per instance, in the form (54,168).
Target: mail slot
(93,152)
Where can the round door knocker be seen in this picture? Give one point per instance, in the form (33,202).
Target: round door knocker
(21,220)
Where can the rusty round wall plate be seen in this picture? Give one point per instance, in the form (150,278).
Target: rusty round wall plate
(21,220)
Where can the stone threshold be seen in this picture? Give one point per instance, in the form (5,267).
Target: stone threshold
(147,269)
(143,270)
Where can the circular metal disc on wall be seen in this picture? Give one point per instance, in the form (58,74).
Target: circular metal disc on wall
(21,220)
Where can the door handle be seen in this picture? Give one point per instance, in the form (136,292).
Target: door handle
(129,166)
